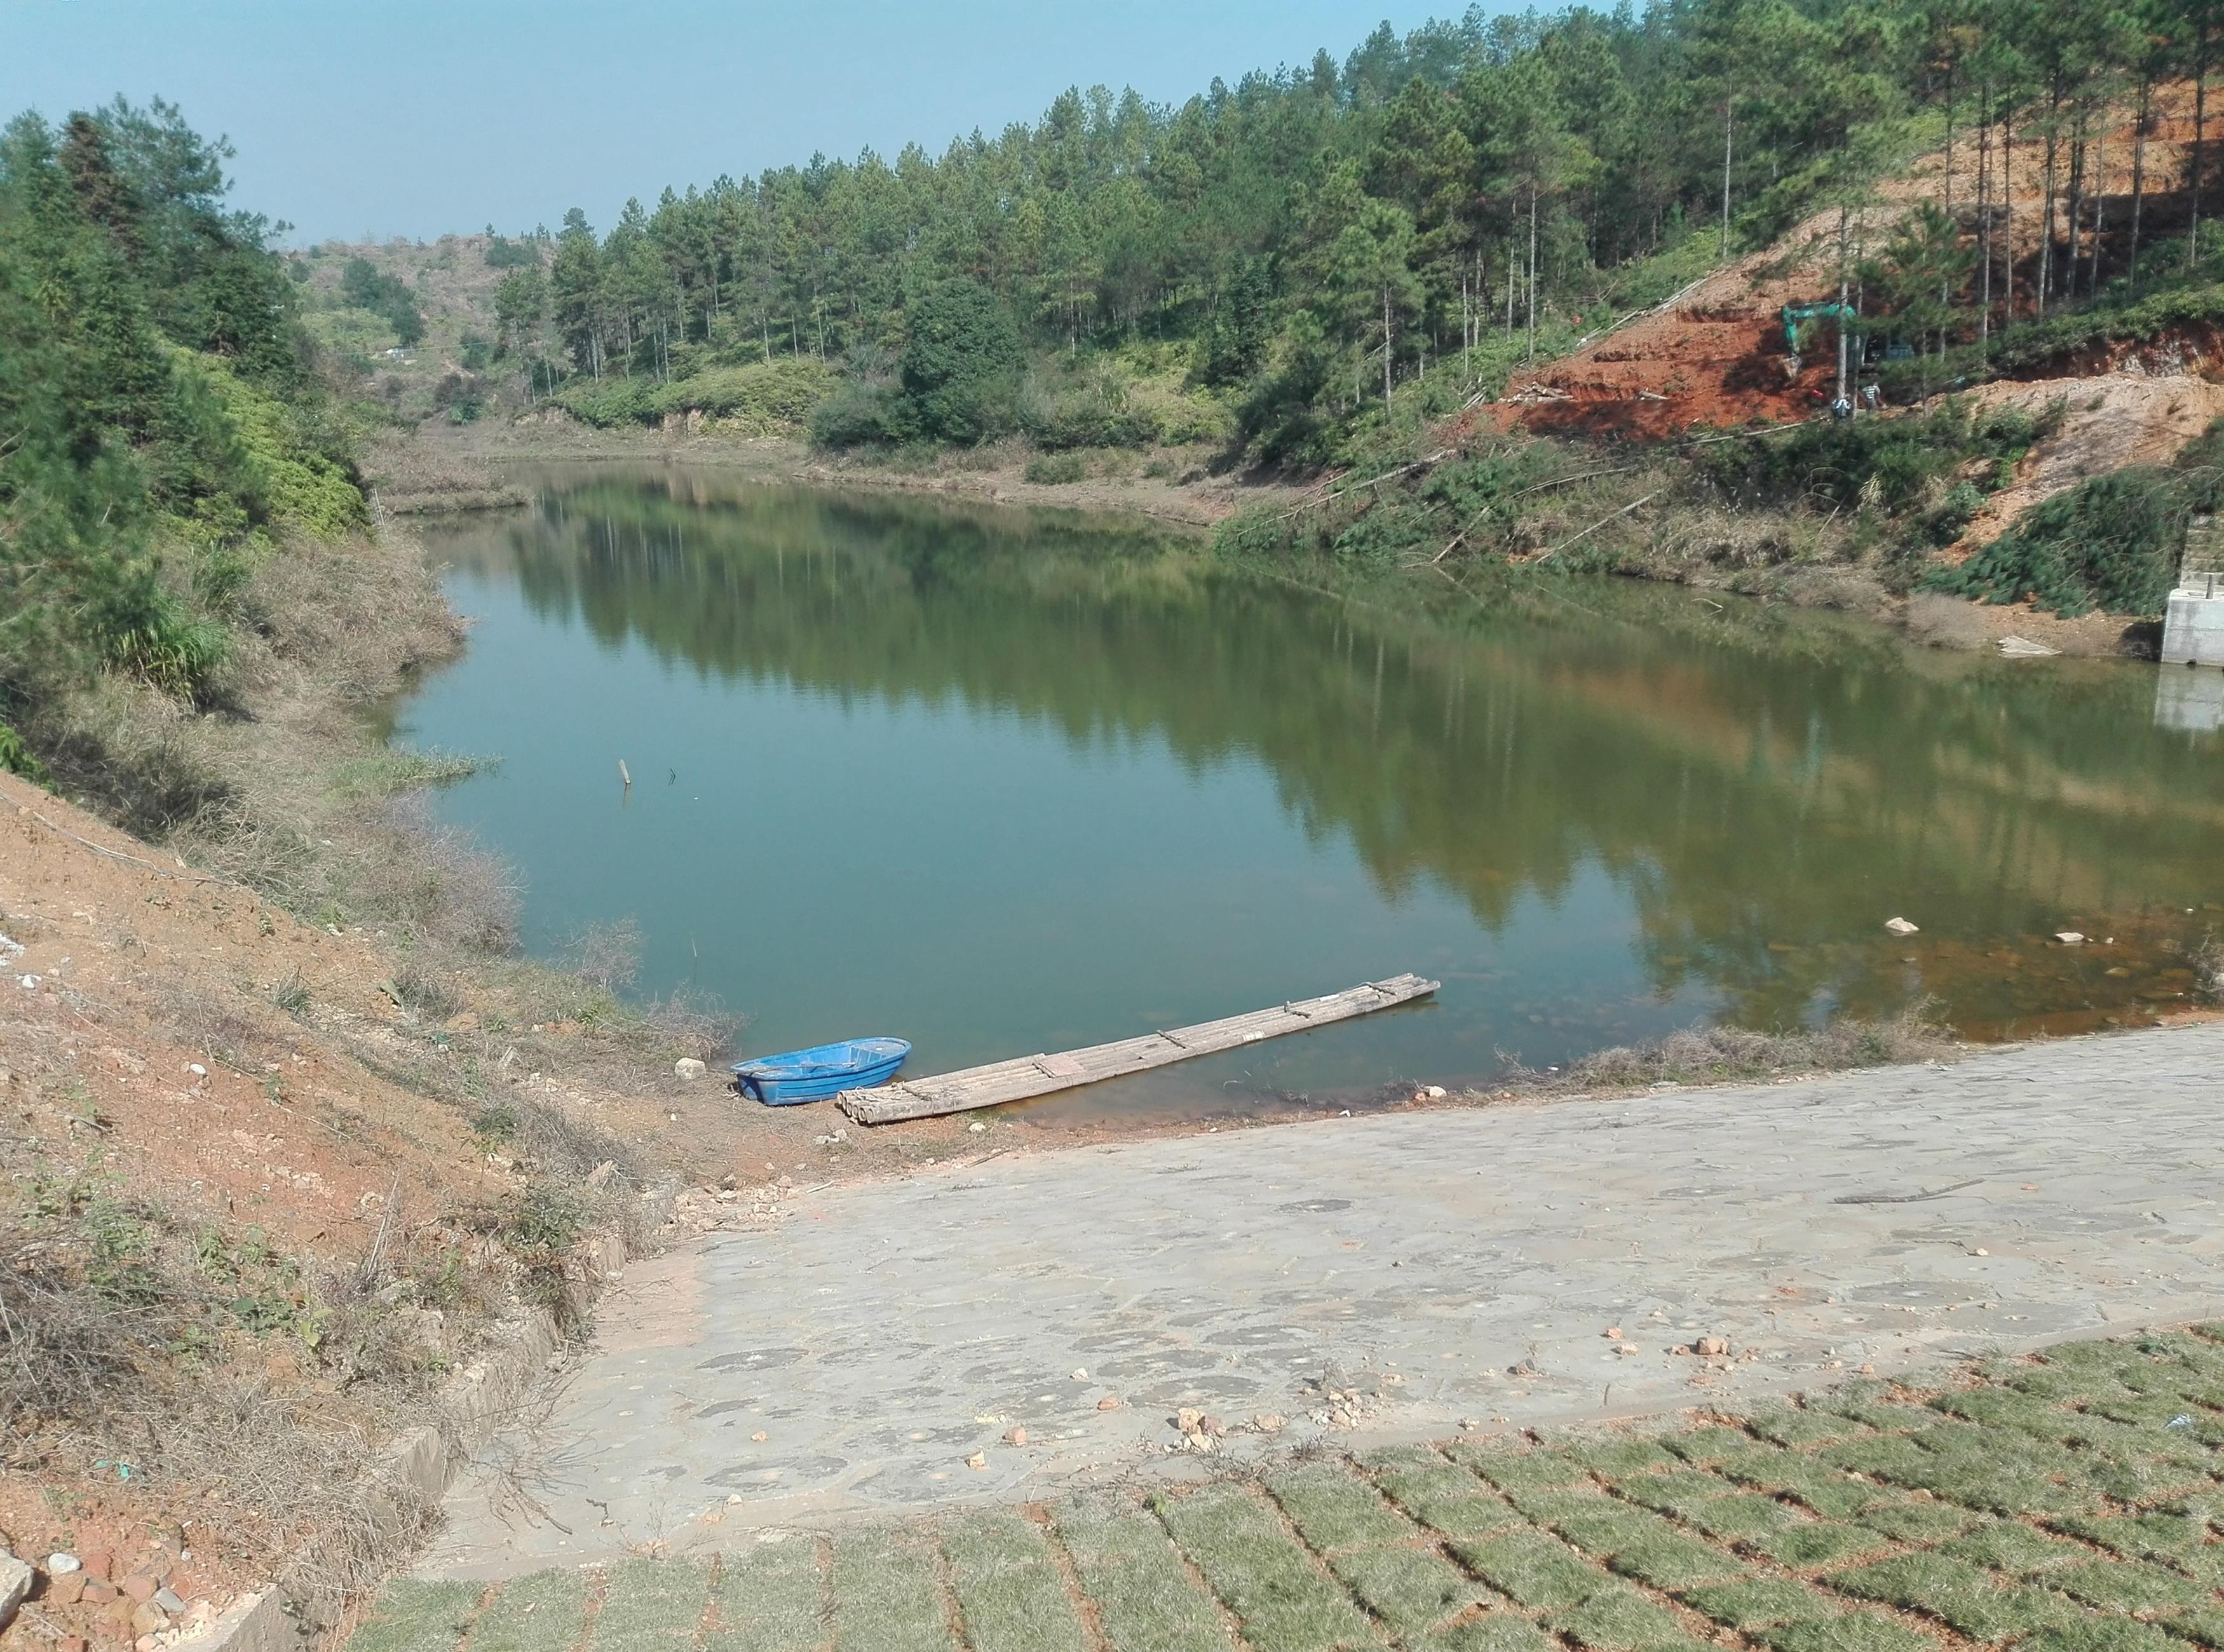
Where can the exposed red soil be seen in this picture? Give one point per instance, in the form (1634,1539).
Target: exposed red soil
(1713,356)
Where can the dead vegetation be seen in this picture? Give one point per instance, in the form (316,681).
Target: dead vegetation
(291,1128)
(1727,1055)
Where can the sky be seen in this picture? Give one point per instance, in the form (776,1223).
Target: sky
(414,117)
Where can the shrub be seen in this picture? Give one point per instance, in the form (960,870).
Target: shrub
(961,364)
(2111,543)
(760,399)
(857,415)
(1049,469)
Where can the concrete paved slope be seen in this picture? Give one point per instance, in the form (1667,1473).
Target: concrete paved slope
(1447,1267)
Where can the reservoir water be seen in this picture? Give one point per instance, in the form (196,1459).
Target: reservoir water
(1002,782)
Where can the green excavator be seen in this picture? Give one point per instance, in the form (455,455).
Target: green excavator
(1795,316)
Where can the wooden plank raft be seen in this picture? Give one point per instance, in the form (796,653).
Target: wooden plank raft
(1032,1076)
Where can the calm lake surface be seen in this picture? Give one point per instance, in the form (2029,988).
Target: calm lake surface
(1003,782)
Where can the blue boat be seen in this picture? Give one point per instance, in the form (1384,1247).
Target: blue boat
(814,1075)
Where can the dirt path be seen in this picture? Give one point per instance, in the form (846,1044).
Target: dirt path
(1448,1270)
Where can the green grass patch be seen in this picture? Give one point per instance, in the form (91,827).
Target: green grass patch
(2129,1586)
(392,769)
(1409,1589)
(1664,1557)
(2204,1624)
(1446,1499)
(1532,1569)
(1494,1632)
(1009,1591)
(413,1616)
(2101,1635)
(885,1597)
(1145,1597)
(2151,1536)
(1817,1542)
(2011,1547)
(1921,1521)
(1853,1631)
(1676,1493)
(1334,1509)
(1739,1517)
(545,1611)
(770,1598)
(1786,1425)
(651,1606)
(1621,1620)
(1708,1446)
(1970,1601)
(1752,1603)
(1998,1408)
(1512,1469)
(1617,1458)
(1283,1603)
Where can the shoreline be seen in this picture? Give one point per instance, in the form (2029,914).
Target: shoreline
(455,473)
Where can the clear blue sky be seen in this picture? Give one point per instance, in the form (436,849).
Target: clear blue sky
(416,116)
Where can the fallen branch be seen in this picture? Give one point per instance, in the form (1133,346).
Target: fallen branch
(1440,455)
(1602,522)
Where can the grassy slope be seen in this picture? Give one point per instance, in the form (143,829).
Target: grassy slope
(2065,1503)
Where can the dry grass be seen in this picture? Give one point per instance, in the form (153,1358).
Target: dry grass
(1724,1055)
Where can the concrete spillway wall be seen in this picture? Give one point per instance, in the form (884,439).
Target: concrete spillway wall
(2193,625)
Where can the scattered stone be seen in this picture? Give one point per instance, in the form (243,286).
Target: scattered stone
(1109,1402)
(1187,1420)
(975,1128)
(1080,1374)
(1710,1348)
(196,1069)
(689,1068)
(1433,1092)
(1269,1422)
(98,1591)
(1016,1436)
(140,1586)
(978,1459)
(14,1584)
(1613,1333)
(761,1436)
(169,1601)
(149,1619)
(66,1589)
(62,1560)
(1901,926)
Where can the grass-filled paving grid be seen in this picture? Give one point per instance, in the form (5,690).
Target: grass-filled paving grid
(2072,1501)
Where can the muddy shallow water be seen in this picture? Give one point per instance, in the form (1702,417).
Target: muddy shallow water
(1002,782)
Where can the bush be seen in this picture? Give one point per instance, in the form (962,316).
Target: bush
(857,415)
(761,399)
(1888,462)
(364,287)
(2113,543)
(1050,468)
(961,364)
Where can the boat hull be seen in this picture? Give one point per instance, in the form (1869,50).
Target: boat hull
(801,1076)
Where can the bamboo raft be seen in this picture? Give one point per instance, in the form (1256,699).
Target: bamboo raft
(1033,1076)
